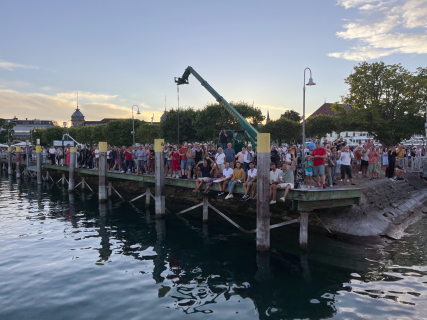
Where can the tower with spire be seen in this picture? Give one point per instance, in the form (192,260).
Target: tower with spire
(77,118)
(268,116)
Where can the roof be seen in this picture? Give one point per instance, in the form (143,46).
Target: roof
(77,115)
(325,109)
(97,123)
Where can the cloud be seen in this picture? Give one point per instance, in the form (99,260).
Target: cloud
(382,30)
(54,107)
(86,96)
(12,66)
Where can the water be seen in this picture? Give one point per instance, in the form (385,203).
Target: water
(67,257)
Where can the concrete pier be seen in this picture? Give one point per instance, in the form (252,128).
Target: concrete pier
(9,160)
(72,172)
(160,177)
(263,194)
(18,162)
(102,196)
(39,163)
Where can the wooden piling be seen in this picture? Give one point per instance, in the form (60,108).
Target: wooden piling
(110,189)
(205,209)
(102,195)
(160,178)
(18,162)
(9,160)
(72,172)
(83,184)
(147,197)
(303,230)
(63,180)
(39,163)
(263,194)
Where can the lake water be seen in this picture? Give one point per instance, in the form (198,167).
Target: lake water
(67,257)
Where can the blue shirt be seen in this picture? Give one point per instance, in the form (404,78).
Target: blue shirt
(229,155)
(312,145)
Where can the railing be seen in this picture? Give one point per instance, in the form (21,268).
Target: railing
(413,164)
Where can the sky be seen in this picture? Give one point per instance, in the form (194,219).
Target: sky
(117,54)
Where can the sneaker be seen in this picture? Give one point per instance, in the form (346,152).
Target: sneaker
(317,186)
(391,179)
(247,198)
(360,172)
(324,186)
(282,199)
(243,198)
(220,193)
(229,196)
(334,184)
(273,202)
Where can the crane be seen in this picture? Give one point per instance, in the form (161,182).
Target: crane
(238,136)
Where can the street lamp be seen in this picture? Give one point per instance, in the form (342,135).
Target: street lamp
(310,83)
(133,124)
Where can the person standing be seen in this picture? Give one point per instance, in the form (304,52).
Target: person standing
(249,156)
(223,139)
(319,155)
(346,156)
(183,155)
(392,154)
(140,157)
(241,157)
(220,159)
(230,154)
(273,154)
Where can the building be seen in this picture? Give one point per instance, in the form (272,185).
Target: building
(77,119)
(23,127)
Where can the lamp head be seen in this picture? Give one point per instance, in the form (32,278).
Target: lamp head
(138,112)
(310,82)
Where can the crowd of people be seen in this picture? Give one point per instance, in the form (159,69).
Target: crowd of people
(326,163)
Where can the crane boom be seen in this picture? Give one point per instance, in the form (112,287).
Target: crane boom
(251,131)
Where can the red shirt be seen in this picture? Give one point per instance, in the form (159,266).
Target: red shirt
(318,161)
(128,156)
(184,152)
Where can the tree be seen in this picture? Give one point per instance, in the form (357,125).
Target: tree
(291,115)
(146,133)
(50,134)
(169,126)
(385,100)
(118,132)
(6,130)
(213,118)
(84,135)
(283,130)
(319,126)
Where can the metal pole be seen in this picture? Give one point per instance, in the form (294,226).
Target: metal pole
(160,177)
(18,162)
(102,197)
(263,195)
(177,90)
(133,128)
(303,126)
(39,163)
(27,158)
(72,171)
(9,160)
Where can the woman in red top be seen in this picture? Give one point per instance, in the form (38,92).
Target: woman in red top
(175,164)
(67,153)
(129,160)
(358,155)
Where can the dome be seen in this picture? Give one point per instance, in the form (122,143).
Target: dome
(77,115)
(163,117)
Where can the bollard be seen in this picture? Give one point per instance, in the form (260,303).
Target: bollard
(110,189)
(303,230)
(9,160)
(18,162)
(63,179)
(39,164)
(102,196)
(72,172)
(83,184)
(147,197)
(160,177)
(205,209)
(263,195)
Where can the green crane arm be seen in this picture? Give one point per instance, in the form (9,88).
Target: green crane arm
(251,131)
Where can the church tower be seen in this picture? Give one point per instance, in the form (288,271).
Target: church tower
(77,118)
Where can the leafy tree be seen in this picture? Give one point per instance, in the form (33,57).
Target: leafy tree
(187,131)
(97,134)
(213,118)
(319,126)
(6,130)
(118,132)
(385,101)
(50,134)
(84,135)
(283,130)
(146,133)
(39,134)
(291,115)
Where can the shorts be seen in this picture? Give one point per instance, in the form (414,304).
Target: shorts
(318,170)
(364,163)
(221,167)
(283,185)
(308,173)
(168,162)
(190,163)
(251,182)
(345,169)
(358,161)
(205,179)
(184,164)
(371,167)
(96,160)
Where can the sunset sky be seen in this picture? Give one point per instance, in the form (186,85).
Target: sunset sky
(120,53)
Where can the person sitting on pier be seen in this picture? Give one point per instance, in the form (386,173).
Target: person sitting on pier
(252,172)
(227,175)
(274,179)
(238,178)
(205,169)
(285,181)
(215,174)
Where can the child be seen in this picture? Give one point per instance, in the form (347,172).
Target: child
(176,167)
(308,171)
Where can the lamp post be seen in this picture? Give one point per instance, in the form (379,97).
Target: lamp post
(133,124)
(310,83)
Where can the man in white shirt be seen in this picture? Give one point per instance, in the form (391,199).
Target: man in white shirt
(227,174)
(96,158)
(249,156)
(220,159)
(250,180)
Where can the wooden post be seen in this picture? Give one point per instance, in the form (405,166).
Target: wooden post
(63,179)
(263,194)
(110,189)
(72,172)
(9,160)
(39,162)
(303,230)
(102,196)
(205,209)
(147,197)
(18,162)
(83,184)
(159,178)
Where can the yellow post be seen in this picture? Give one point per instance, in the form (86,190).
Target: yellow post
(160,189)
